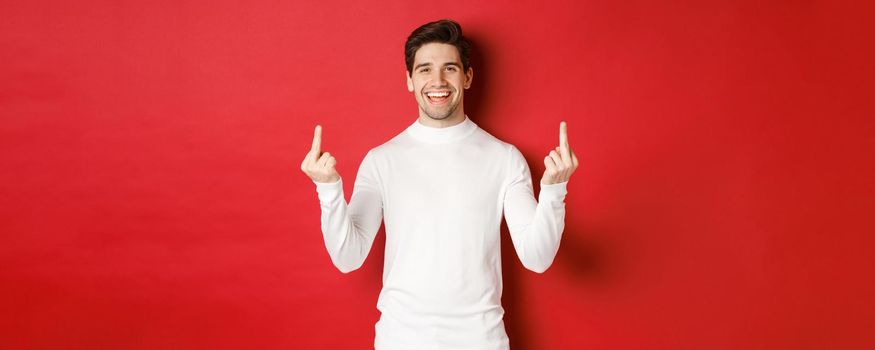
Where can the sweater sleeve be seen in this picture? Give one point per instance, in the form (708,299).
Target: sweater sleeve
(349,229)
(535,226)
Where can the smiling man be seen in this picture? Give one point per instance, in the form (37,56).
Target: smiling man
(437,79)
(441,186)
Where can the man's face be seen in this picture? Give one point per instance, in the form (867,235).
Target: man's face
(438,81)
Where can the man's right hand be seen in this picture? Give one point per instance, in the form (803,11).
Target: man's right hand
(317,165)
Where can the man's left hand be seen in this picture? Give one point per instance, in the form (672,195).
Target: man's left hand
(561,162)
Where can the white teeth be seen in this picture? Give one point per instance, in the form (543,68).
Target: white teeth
(438,94)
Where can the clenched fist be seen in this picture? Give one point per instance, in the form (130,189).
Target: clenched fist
(317,165)
(561,162)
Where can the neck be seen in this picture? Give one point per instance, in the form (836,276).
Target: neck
(435,135)
(457,117)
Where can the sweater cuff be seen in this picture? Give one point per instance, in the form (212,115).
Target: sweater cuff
(553,192)
(329,191)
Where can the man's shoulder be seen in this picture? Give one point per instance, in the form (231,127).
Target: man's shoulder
(480,137)
(397,142)
(487,139)
(389,147)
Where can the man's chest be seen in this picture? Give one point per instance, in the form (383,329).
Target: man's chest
(456,183)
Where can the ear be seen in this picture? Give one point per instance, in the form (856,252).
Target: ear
(469,76)
(409,82)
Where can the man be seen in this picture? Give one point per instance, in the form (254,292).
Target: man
(441,186)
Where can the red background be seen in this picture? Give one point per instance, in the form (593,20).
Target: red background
(151,195)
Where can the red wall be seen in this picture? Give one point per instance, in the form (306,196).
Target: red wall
(151,195)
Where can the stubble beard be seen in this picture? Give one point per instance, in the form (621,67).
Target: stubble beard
(435,114)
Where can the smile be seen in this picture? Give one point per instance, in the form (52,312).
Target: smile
(438,97)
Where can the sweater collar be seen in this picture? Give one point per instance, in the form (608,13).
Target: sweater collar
(430,134)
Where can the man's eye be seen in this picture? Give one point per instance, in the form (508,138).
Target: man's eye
(424,70)
(451,69)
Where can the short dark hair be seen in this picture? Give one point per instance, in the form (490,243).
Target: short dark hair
(444,31)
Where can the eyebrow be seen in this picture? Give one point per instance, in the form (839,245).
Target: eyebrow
(429,64)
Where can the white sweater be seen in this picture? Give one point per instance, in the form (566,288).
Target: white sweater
(441,192)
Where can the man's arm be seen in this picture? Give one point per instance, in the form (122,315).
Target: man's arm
(536,226)
(348,229)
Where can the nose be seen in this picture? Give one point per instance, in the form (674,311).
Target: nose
(438,77)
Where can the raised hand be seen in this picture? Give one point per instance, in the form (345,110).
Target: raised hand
(317,165)
(561,162)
